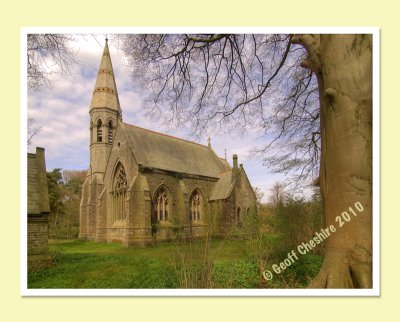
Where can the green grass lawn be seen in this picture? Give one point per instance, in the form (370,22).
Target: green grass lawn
(86,264)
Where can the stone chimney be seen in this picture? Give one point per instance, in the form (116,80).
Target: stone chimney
(235,169)
(42,181)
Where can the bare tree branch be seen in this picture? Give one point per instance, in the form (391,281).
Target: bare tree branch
(32,130)
(234,81)
(47,55)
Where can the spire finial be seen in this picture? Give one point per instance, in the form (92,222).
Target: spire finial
(106,39)
(225,154)
(209,142)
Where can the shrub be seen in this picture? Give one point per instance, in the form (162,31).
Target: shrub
(239,274)
(296,220)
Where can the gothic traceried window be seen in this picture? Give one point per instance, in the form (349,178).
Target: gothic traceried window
(99,131)
(195,206)
(120,186)
(161,206)
(110,132)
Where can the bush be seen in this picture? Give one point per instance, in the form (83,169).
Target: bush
(299,274)
(295,221)
(192,263)
(240,274)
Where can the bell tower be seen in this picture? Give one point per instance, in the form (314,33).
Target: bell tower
(105,112)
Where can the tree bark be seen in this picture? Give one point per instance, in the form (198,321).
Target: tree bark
(343,66)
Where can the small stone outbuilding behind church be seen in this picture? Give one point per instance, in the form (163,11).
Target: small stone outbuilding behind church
(38,210)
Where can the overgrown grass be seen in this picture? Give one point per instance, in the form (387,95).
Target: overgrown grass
(85,264)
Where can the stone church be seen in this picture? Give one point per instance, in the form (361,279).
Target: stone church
(144,186)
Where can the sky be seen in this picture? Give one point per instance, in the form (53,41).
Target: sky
(62,113)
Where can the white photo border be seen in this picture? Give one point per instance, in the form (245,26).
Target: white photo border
(374,291)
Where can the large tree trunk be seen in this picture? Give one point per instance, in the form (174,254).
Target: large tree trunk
(343,66)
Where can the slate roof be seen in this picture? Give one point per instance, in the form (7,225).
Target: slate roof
(223,188)
(161,151)
(226,163)
(38,195)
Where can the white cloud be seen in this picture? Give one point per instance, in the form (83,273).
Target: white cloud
(63,114)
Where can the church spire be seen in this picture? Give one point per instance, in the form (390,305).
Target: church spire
(105,113)
(105,94)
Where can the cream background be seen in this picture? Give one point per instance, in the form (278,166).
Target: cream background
(15,15)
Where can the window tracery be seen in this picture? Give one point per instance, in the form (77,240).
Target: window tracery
(120,187)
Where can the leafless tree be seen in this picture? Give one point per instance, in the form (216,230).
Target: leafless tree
(69,175)
(259,195)
(234,81)
(277,194)
(48,54)
(311,95)
(32,130)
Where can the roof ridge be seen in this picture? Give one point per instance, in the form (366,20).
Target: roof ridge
(167,135)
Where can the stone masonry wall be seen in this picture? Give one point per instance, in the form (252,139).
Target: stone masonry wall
(180,190)
(38,210)
(245,198)
(37,236)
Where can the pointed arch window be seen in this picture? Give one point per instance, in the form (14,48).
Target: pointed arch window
(195,206)
(120,186)
(161,207)
(99,131)
(238,215)
(110,131)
